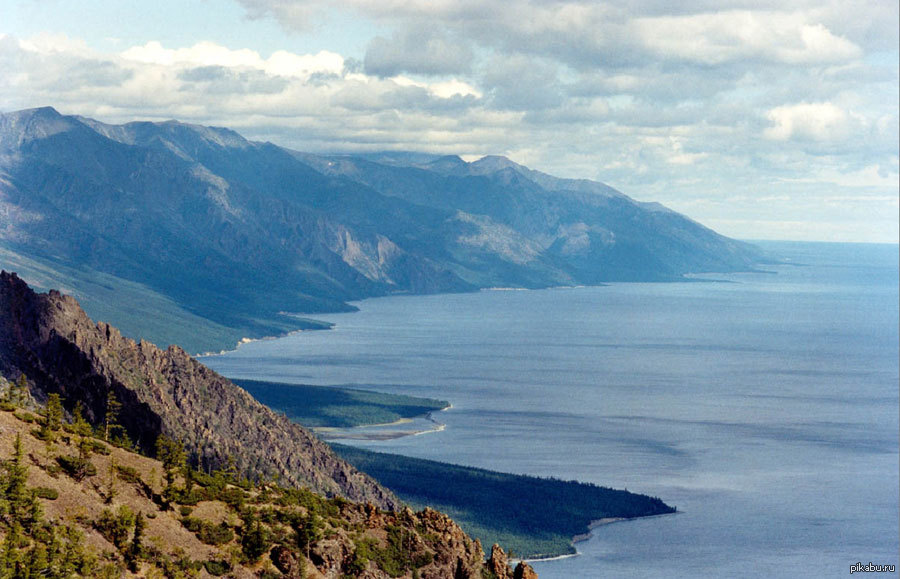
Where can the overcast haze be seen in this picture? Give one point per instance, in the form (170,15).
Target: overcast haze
(763,120)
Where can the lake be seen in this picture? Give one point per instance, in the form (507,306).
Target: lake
(763,405)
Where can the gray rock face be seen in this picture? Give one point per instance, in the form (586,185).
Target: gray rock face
(50,339)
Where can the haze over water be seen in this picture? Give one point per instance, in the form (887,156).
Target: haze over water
(764,406)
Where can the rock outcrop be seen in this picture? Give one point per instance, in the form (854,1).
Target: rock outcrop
(50,339)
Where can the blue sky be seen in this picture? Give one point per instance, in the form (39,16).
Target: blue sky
(761,119)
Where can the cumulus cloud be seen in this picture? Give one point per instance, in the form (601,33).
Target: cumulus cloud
(812,121)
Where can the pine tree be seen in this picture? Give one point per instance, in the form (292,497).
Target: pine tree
(111,426)
(135,549)
(255,540)
(10,556)
(17,498)
(80,426)
(111,489)
(53,415)
(171,454)
(21,390)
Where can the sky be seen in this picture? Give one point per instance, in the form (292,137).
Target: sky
(762,119)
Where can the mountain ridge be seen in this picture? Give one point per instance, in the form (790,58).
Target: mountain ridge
(236,232)
(49,339)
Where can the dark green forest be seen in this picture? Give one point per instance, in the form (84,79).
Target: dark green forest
(328,406)
(532,516)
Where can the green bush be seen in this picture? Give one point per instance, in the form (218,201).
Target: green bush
(46,493)
(99,447)
(217,568)
(26,417)
(207,532)
(116,527)
(192,524)
(76,467)
(216,534)
(129,474)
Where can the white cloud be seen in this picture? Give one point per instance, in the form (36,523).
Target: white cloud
(284,63)
(811,121)
(720,37)
(453,88)
(281,62)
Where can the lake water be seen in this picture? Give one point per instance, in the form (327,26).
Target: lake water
(763,405)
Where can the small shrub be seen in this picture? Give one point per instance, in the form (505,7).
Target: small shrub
(192,524)
(128,474)
(217,568)
(76,467)
(189,498)
(25,417)
(233,497)
(7,407)
(46,493)
(116,528)
(185,511)
(207,532)
(99,447)
(423,559)
(216,534)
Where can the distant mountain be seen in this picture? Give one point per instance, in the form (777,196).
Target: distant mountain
(49,339)
(232,233)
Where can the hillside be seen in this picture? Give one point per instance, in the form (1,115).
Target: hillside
(222,235)
(73,505)
(49,339)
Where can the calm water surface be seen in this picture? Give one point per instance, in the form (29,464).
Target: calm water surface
(763,405)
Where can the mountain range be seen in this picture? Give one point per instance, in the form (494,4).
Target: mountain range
(221,237)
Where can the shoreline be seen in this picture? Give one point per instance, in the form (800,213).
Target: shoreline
(346,433)
(683,278)
(582,537)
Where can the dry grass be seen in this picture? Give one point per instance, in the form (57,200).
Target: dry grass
(84,501)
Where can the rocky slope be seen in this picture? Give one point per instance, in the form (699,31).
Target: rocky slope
(48,338)
(234,232)
(86,525)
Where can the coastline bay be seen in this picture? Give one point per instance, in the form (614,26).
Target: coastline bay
(765,408)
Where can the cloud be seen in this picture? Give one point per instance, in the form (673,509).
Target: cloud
(417,52)
(280,63)
(720,37)
(711,99)
(812,121)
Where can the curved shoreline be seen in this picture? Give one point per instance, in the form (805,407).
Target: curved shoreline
(346,433)
(582,537)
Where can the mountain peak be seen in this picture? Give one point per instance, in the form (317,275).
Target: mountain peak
(491,163)
(19,127)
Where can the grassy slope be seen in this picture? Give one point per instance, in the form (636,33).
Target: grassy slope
(315,406)
(532,516)
(199,529)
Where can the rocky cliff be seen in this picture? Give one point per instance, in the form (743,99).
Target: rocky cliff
(49,339)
